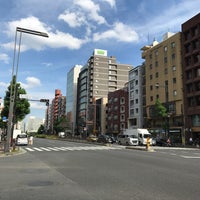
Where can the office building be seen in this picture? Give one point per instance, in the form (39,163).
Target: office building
(163,77)
(136,99)
(191,76)
(71,95)
(101,75)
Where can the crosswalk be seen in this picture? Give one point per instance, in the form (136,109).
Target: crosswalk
(77,148)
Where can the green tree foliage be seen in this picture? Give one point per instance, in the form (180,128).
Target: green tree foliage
(21,106)
(41,129)
(61,124)
(160,109)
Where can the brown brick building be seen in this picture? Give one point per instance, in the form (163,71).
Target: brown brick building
(191,75)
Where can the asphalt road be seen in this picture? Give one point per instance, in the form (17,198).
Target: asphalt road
(65,170)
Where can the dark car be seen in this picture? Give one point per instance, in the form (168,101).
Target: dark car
(161,142)
(104,139)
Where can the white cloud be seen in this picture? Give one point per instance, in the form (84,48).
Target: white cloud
(56,40)
(31,82)
(91,9)
(169,19)
(120,32)
(3,85)
(61,39)
(111,2)
(4,57)
(73,19)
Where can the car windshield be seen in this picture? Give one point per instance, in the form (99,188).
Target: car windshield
(22,136)
(146,135)
(133,136)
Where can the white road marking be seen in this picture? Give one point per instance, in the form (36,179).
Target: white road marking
(71,148)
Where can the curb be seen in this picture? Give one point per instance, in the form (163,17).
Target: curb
(19,152)
(141,149)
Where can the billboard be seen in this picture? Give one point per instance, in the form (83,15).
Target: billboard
(100,52)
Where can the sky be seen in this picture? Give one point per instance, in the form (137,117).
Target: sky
(75,28)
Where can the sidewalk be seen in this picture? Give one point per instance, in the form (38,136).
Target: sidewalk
(17,151)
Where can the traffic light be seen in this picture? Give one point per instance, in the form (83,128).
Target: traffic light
(45,100)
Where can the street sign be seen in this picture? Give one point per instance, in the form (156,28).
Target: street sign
(4,119)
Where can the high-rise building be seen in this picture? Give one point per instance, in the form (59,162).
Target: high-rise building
(136,100)
(191,76)
(163,77)
(71,95)
(101,74)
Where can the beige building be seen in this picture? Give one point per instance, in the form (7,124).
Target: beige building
(163,76)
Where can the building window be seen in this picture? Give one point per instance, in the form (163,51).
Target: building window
(188,61)
(151,98)
(151,77)
(122,100)
(174,80)
(156,53)
(136,101)
(175,92)
(173,45)
(122,109)
(165,59)
(166,71)
(165,48)
(122,118)
(173,68)
(197,86)
(156,63)
(115,99)
(151,87)
(173,56)
(157,74)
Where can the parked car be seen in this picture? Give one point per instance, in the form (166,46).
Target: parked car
(161,142)
(104,139)
(21,139)
(91,138)
(153,141)
(127,139)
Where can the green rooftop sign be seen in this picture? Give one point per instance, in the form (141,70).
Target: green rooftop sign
(100,52)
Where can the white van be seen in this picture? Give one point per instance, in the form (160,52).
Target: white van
(142,135)
(127,139)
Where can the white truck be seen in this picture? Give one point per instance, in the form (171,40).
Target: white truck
(141,133)
(16,132)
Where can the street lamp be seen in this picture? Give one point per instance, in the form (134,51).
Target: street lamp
(13,85)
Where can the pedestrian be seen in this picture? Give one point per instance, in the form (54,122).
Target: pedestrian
(31,140)
(190,141)
(168,142)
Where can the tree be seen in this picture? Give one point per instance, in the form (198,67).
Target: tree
(61,124)
(41,129)
(161,111)
(21,106)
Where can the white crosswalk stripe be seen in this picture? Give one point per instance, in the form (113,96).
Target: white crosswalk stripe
(85,148)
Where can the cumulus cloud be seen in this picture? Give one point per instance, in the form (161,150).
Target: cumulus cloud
(31,82)
(91,9)
(120,32)
(73,19)
(56,39)
(111,2)
(4,57)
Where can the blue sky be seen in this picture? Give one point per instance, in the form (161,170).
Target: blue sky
(75,29)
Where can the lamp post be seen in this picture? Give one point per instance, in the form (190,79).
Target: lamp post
(13,85)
